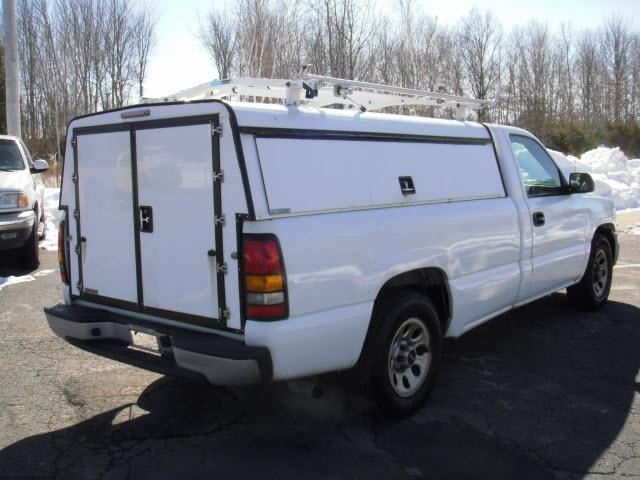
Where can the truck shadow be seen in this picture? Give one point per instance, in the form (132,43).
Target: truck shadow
(536,392)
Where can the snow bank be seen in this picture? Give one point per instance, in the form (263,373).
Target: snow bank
(12,280)
(53,216)
(6,281)
(616,177)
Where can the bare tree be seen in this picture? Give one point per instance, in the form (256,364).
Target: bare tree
(144,42)
(616,41)
(79,56)
(479,39)
(218,34)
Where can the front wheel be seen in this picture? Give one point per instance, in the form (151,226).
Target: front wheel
(42,226)
(402,354)
(592,292)
(31,250)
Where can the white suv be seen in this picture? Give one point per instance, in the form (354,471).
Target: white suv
(21,200)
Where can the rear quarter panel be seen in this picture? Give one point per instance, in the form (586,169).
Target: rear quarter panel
(336,264)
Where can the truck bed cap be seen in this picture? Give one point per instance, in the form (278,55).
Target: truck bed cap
(273,116)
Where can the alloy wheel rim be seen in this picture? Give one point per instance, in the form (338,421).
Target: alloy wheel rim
(600,273)
(409,357)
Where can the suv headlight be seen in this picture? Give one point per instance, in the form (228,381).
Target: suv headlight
(14,200)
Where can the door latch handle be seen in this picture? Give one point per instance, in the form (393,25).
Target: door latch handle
(146,219)
(538,219)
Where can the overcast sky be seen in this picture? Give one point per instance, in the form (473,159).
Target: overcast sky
(180,62)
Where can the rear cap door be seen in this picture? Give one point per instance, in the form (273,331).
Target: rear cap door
(149,218)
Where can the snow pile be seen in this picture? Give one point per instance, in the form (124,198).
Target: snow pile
(616,177)
(53,216)
(6,281)
(12,280)
(633,229)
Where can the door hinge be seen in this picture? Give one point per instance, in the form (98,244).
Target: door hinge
(78,249)
(216,130)
(76,213)
(79,285)
(221,267)
(74,142)
(219,220)
(74,178)
(218,176)
(223,313)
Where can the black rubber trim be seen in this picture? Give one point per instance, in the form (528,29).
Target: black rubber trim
(135,204)
(94,129)
(107,301)
(217,209)
(117,350)
(74,142)
(205,343)
(495,153)
(209,322)
(310,134)
(235,131)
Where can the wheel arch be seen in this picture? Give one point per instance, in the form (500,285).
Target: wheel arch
(608,230)
(429,281)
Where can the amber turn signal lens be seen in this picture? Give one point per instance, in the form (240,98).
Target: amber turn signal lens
(264,283)
(23,200)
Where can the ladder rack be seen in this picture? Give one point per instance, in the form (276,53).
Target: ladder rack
(322,91)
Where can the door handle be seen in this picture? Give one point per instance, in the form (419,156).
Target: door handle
(146,219)
(538,219)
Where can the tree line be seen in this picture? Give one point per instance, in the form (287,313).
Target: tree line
(573,87)
(78,57)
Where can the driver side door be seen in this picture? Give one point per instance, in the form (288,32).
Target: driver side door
(558,221)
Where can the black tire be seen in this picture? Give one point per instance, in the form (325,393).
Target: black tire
(377,366)
(592,292)
(43,219)
(31,250)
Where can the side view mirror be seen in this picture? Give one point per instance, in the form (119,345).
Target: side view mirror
(40,166)
(581,183)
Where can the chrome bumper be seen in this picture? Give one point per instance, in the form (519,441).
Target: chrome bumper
(17,220)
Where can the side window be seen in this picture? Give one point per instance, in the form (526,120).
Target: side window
(539,173)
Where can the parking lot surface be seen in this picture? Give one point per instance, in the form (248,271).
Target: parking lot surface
(540,392)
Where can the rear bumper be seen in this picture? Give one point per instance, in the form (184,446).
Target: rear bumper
(187,353)
(15,229)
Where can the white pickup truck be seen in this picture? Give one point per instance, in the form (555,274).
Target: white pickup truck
(262,242)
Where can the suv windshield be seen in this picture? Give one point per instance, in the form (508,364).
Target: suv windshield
(10,157)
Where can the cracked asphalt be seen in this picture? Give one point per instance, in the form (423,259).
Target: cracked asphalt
(541,392)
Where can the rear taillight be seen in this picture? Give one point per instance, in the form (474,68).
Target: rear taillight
(264,278)
(62,264)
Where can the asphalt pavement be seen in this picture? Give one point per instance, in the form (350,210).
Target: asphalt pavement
(541,392)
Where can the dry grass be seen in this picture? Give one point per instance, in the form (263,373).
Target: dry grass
(52,177)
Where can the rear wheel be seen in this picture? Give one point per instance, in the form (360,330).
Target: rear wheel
(402,354)
(592,292)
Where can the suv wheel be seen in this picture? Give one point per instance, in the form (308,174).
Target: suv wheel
(592,292)
(31,250)
(402,354)
(42,226)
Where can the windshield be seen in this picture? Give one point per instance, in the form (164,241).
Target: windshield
(10,157)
